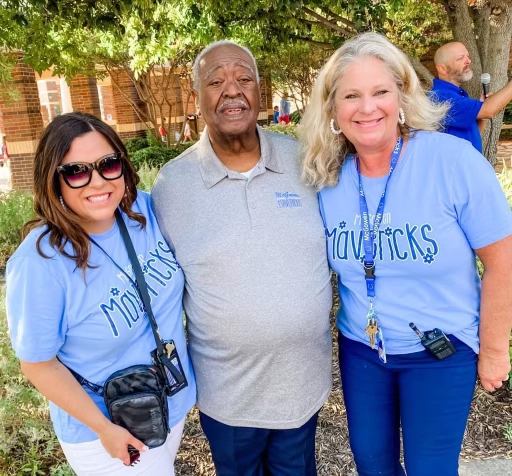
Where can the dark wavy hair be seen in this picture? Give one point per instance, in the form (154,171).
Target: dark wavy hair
(61,223)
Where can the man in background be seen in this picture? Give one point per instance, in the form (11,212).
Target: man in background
(466,117)
(284,109)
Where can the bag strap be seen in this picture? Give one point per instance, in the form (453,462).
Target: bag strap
(143,291)
(141,282)
(141,286)
(97,389)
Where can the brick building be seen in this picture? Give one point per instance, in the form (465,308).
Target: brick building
(113,98)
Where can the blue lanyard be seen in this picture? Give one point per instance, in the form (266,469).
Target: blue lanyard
(369,235)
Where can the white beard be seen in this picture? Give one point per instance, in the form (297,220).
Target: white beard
(466,76)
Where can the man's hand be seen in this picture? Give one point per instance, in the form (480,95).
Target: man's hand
(483,97)
(116,439)
(493,370)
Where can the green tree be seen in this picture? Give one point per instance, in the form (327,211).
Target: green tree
(294,67)
(152,42)
(485,26)
(141,33)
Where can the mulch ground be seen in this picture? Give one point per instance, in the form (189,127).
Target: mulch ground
(490,414)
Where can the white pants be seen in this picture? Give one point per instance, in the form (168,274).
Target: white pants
(91,459)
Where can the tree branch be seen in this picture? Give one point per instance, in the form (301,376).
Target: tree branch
(128,99)
(339,18)
(309,22)
(327,23)
(321,44)
(421,71)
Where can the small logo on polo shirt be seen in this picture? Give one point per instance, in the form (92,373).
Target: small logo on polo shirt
(288,199)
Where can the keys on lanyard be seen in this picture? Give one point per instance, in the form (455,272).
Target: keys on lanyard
(373,330)
(374,333)
(372,327)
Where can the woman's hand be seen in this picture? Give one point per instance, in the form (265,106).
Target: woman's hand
(493,370)
(115,439)
(57,384)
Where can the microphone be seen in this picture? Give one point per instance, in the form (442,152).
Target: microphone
(485,79)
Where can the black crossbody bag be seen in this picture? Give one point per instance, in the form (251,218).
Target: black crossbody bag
(136,397)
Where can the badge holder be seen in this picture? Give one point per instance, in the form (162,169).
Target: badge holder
(375,334)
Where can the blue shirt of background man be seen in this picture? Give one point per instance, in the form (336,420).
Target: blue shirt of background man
(97,326)
(461,119)
(442,202)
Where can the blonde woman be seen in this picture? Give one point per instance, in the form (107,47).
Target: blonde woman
(405,210)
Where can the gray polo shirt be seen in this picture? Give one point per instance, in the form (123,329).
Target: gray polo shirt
(258,292)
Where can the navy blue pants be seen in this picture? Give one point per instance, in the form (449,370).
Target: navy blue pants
(245,451)
(430,398)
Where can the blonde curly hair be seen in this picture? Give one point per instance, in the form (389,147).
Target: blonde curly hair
(322,153)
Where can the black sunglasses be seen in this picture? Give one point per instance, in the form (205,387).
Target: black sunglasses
(79,174)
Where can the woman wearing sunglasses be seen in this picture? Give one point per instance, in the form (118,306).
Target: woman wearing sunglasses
(71,302)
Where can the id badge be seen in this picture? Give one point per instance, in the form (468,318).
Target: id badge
(381,346)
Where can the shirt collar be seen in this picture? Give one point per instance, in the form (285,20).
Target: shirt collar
(213,170)
(442,84)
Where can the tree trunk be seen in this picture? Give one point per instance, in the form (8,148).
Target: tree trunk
(497,63)
(423,73)
(462,28)
(482,30)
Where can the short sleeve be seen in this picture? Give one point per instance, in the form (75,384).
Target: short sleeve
(321,209)
(158,209)
(480,204)
(463,112)
(35,303)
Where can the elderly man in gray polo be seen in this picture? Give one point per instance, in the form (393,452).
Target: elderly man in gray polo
(251,242)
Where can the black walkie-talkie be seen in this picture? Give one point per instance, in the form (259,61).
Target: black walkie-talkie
(435,341)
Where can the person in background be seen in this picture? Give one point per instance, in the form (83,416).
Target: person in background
(186,132)
(406,209)
(250,240)
(276,114)
(163,130)
(70,307)
(284,109)
(467,117)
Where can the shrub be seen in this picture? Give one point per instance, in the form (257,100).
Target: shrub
(295,116)
(16,208)
(136,144)
(157,156)
(506,134)
(505,179)
(288,129)
(507,117)
(147,177)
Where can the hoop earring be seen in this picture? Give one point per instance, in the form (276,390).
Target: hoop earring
(401,117)
(333,130)
(61,200)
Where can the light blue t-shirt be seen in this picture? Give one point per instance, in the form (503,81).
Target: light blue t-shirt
(284,110)
(96,326)
(442,202)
